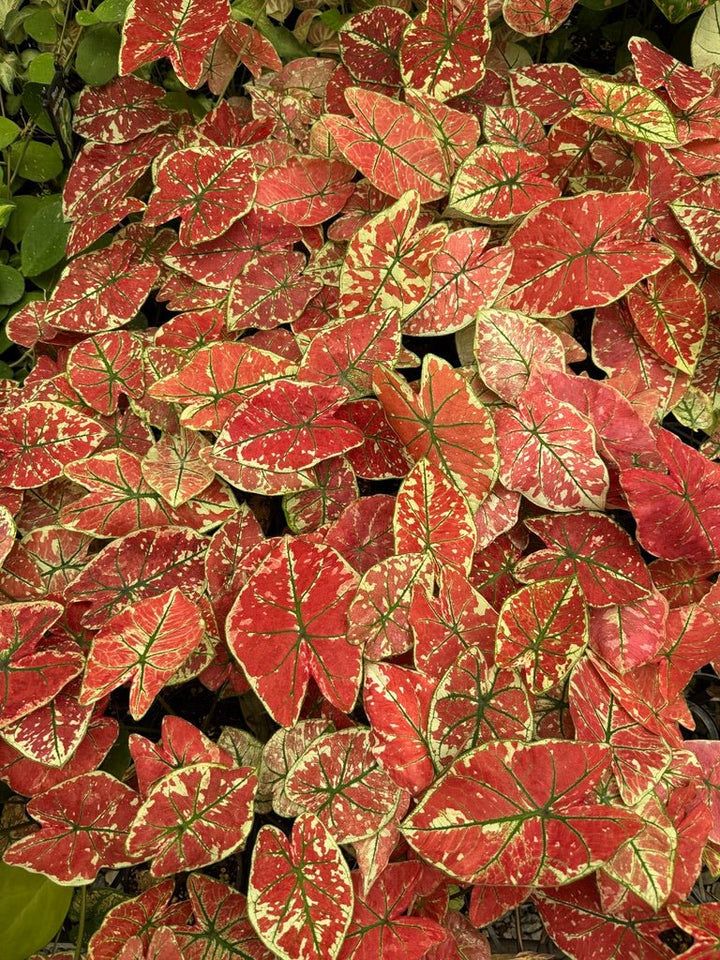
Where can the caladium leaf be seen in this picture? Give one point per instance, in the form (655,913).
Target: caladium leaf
(64,716)
(702,922)
(38,439)
(193,817)
(380,926)
(696,211)
(433,517)
(369,43)
(631,111)
(287,426)
(270,290)
(443,50)
(83,825)
(458,619)
(140,565)
(550,90)
(306,190)
(388,263)
(629,635)
(363,534)
(655,68)
(676,512)
(445,423)
(105,367)
(338,778)
(547,453)
(474,703)
(209,188)
(509,796)
(335,488)
(577,922)
(281,751)
(543,628)
(174,468)
(300,897)
(7,532)
(379,613)
(290,621)
(593,548)
(144,644)
(397,701)
(390,144)
(381,456)
(130,919)
(221,923)
(536,17)
(181,745)
(121,110)
(212,384)
(595,258)
(498,184)
(178,29)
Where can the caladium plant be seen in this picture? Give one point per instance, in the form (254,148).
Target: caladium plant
(368,476)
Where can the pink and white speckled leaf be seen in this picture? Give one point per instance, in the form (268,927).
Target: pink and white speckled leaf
(193,817)
(369,44)
(654,68)
(443,51)
(629,635)
(209,188)
(390,144)
(543,630)
(290,620)
(83,826)
(595,255)
(306,190)
(105,367)
(631,111)
(697,212)
(174,468)
(339,779)
(286,426)
(520,813)
(534,18)
(52,733)
(381,456)
(119,111)
(445,422)
(550,90)
(363,534)
(221,923)
(144,644)
(38,439)
(182,30)
(593,548)
(271,290)
(300,897)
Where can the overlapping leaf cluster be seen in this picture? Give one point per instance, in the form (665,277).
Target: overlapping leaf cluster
(477,682)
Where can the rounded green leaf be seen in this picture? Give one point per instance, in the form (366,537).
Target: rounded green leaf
(97,55)
(12,285)
(36,161)
(86,18)
(8,132)
(43,243)
(112,11)
(41,26)
(42,68)
(32,907)
(26,206)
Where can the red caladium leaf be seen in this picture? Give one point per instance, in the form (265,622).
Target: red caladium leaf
(339,780)
(134,918)
(445,423)
(379,613)
(369,43)
(144,644)
(270,290)
(498,184)
(300,897)
(380,926)
(598,259)
(7,533)
(212,384)
(38,439)
(83,825)
(474,703)
(174,468)
(508,345)
(702,922)
(515,127)
(433,518)
(388,263)
(287,426)
(33,672)
(547,453)
(509,796)
(670,312)
(458,619)
(536,17)
(397,701)
(306,190)
(465,278)
(577,922)
(676,512)
(279,754)
(381,456)
(105,367)
(443,50)
(181,745)
(209,188)
(102,290)
(178,29)
(290,621)
(121,110)
(390,144)
(655,68)
(550,90)
(64,715)
(221,923)
(193,817)
(58,554)
(543,628)
(335,488)
(140,565)
(363,534)
(593,548)
(629,635)
(628,110)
